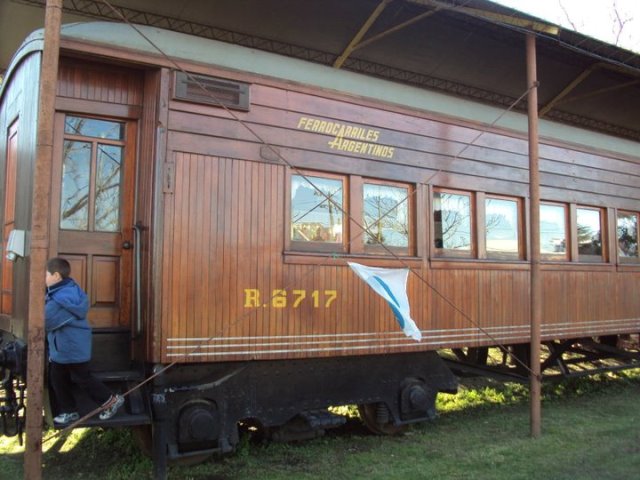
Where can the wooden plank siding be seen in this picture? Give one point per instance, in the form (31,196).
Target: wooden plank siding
(20,107)
(224,233)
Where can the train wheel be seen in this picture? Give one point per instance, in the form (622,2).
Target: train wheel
(143,438)
(377,419)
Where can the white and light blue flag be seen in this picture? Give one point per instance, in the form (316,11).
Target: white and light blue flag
(391,284)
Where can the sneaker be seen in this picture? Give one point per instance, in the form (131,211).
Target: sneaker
(65,419)
(114,403)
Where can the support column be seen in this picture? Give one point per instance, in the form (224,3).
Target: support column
(534,215)
(39,245)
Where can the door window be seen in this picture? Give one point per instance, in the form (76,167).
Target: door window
(91,171)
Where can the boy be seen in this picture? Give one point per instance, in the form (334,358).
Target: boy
(69,338)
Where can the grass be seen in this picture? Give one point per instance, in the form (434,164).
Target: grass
(591,430)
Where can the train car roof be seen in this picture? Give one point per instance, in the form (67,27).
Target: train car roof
(158,43)
(472,50)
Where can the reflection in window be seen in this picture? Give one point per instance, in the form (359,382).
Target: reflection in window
(501,227)
(76,174)
(386,215)
(627,233)
(316,210)
(589,234)
(108,188)
(91,127)
(452,221)
(553,230)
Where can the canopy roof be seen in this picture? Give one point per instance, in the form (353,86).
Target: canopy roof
(469,48)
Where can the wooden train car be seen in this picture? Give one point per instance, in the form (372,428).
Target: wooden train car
(209,206)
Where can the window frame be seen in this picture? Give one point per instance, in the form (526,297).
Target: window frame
(411,218)
(315,246)
(623,259)
(482,225)
(585,258)
(566,257)
(441,252)
(94,158)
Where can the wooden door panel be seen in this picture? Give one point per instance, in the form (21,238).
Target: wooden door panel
(106,271)
(93,188)
(6,303)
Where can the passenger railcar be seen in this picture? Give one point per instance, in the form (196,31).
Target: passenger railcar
(213,240)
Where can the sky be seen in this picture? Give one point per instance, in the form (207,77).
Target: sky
(595,18)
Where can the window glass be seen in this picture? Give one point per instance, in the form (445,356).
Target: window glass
(316,210)
(501,227)
(386,215)
(76,175)
(452,221)
(90,127)
(627,232)
(553,230)
(589,234)
(108,188)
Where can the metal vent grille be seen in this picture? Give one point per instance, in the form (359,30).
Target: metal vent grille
(211,91)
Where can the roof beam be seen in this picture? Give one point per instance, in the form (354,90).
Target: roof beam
(566,90)
(600,91)
(396,28)
(364,29)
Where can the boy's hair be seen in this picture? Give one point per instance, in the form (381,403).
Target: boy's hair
(59,265)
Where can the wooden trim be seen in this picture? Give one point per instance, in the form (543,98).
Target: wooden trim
(628,268)
(317,258)
(356,220)
(572,234)
(481,225)
(579,267)
(88,107)
(421,220)
(157,263)
(475,264)
(525,229)
(611,236)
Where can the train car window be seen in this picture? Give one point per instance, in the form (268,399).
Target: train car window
(108,171)
(93,151)
(452,217)
(92,127)
(386,217)
(317,212)
(75,179)
(589,223)
(553,231)
(627,233)
(502,228)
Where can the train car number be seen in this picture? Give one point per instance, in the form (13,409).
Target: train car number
(280,298)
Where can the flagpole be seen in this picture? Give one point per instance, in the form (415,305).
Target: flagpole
(40,239)
(534,215)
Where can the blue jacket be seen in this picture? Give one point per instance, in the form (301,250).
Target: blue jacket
(65,315)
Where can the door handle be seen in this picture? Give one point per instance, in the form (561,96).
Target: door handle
(127,245)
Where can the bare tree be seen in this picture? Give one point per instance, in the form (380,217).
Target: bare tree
(619,18)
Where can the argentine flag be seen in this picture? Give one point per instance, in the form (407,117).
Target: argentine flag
(391,284)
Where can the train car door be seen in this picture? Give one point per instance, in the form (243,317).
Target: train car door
(6,303)
(92,210)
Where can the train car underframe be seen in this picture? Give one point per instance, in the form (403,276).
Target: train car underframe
(197,407)
(561,359)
